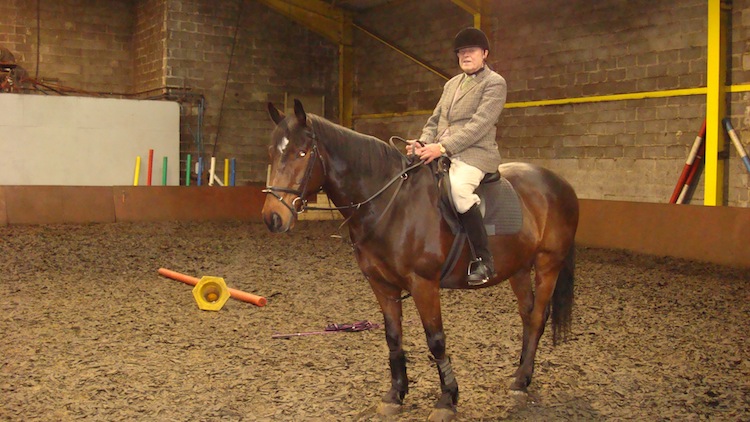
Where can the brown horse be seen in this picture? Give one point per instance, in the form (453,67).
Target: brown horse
(401,240)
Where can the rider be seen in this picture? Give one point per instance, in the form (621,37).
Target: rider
(462,126)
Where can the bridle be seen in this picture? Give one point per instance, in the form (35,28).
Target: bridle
(300,193)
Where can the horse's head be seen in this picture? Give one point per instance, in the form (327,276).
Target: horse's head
(296,171)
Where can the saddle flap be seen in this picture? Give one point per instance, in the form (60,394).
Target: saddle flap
(501,206)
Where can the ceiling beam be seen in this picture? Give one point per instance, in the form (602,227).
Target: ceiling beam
(475,7)
(335,25)
(318,16)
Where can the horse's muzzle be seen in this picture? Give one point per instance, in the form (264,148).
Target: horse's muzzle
(271,207)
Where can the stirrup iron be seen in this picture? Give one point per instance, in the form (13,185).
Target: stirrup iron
(476,265)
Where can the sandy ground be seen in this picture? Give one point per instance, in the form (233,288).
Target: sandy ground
(91,332)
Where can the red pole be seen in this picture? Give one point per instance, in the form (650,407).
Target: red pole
(237,294)
(150,166)
(689,164)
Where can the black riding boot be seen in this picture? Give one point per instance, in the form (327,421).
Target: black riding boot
(483,269)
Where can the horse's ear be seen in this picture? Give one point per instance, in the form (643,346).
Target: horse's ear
(276,115)
(299,112)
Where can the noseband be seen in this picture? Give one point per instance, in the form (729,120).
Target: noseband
(273,190)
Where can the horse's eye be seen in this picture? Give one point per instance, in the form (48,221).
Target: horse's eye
(302,153)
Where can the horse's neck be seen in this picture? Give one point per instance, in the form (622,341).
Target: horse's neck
(407,202)
(344,189)
(352,183)
(348,184)
(353,178)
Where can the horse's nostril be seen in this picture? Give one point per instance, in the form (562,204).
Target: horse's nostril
(271,221)
(276,222)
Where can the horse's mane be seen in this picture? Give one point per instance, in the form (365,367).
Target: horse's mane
(367,153)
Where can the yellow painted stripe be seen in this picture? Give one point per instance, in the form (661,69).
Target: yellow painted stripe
(613,97)
(738,88)
(389,115)
(579,100)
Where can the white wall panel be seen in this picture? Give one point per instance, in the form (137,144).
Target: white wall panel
(81,141)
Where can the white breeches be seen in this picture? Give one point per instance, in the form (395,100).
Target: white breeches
(464,181)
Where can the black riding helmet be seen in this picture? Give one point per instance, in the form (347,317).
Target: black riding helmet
(470,37)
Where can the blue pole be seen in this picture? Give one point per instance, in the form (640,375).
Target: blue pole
(200,170)
(232,171)
(737,144)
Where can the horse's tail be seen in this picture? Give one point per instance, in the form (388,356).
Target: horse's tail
(562,298)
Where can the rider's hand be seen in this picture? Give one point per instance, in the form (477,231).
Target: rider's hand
(411,144)
(428,152)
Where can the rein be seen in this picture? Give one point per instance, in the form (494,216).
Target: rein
(272,190)
(403,175)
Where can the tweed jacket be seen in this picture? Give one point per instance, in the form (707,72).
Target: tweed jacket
(465,126)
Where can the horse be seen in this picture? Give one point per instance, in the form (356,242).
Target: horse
(401,239)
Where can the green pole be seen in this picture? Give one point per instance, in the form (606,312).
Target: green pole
(164,171)
(187,171)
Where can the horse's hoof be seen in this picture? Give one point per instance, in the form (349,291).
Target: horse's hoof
(388,409)
(518,387)
(442,415)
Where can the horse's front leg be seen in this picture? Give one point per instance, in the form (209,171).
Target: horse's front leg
(427,299)
(390,304)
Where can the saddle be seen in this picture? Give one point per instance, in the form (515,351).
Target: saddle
(500,206)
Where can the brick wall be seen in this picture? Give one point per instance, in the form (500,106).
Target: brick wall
(149,45)
(81,44)
(386,81)
(16,19)
(546,49)
(738,178)
(272,56)
(126,46)
(624,150)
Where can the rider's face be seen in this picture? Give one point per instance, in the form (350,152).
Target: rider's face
(471,59)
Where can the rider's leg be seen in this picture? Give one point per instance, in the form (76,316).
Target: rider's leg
(464,181)
(473,223)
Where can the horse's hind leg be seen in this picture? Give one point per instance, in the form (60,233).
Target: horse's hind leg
(521,285)
(534,309)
